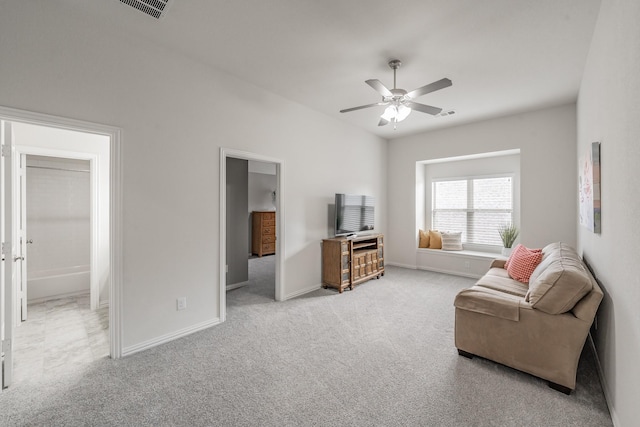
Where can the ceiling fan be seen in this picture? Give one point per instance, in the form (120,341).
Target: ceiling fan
(399,102)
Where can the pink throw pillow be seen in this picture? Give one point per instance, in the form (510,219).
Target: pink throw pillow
(522,262)
(506,264)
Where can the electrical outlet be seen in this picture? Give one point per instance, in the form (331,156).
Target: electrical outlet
(182,303)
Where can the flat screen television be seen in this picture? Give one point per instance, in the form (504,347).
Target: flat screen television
(354,214)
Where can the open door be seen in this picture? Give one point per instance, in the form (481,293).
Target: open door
(20,217)
(7,277)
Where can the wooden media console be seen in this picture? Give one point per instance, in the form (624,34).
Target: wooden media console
(349,261)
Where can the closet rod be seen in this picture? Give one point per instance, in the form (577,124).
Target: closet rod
(58,169)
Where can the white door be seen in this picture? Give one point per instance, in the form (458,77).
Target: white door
(7,278)
(20,209)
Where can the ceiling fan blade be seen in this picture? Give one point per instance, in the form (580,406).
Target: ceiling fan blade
(363,106)
(423,108)
(379,87)
(432,87)
(383,122)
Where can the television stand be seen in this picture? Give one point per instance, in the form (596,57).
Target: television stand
(349,261)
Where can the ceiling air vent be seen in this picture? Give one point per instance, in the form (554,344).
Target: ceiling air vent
(154,8)
(446,113)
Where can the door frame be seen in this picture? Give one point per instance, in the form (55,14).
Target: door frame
(115,205)
(280,216)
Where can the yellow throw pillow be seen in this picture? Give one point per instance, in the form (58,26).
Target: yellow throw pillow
(435,239)
(424,239)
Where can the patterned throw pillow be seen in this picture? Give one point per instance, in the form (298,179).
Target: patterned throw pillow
(522,262)
(435,239)
(452,241)
(506,264)
(424,239)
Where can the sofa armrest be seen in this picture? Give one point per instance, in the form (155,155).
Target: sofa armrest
(498,263)
(489,302)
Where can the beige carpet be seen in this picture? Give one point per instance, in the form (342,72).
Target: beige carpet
(380,355)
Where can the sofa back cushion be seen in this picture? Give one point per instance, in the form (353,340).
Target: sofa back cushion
(559,281)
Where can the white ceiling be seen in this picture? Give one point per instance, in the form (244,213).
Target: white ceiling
(503,56)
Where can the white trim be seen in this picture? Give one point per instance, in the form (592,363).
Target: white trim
(163,339)
(463,253)
(280,221)
(452,272)
(302,292)
(115,201)
(237,285)
(603,383)
(58,296)
(397,264)
(471,157)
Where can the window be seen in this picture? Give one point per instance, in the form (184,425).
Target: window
(475,206)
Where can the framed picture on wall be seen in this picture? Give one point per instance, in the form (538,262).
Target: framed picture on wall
(589,188)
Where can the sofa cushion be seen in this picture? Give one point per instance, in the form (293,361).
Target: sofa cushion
(560,281)
(523,262)
(435,239)
(452,241)
(498,271)
(489,302)
(503,284)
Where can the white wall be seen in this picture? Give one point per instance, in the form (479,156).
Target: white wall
(609,112)
(546,139)
(261,188)
(176,114)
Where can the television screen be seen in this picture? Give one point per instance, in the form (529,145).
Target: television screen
(354,213)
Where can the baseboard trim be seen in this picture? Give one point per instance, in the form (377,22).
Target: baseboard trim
(237,285)
(58,296)
(302,292)
(397,264)
(452,272)
(128,351)
(603,383)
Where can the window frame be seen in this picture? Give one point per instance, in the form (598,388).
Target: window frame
(468,210)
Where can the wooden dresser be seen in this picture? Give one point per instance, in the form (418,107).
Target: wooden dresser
(348,262)
(263,236)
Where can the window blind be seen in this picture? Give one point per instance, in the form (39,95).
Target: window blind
(475,206)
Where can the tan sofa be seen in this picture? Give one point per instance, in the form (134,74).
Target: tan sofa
(538,328)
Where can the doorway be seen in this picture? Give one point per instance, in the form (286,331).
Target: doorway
(27,135)
(58,324)
(228,158)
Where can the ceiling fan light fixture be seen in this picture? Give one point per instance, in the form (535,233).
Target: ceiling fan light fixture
(395,113)
(399,102)
(403,113)
(390,113)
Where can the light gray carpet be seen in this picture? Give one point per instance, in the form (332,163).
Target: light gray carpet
(381,355)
